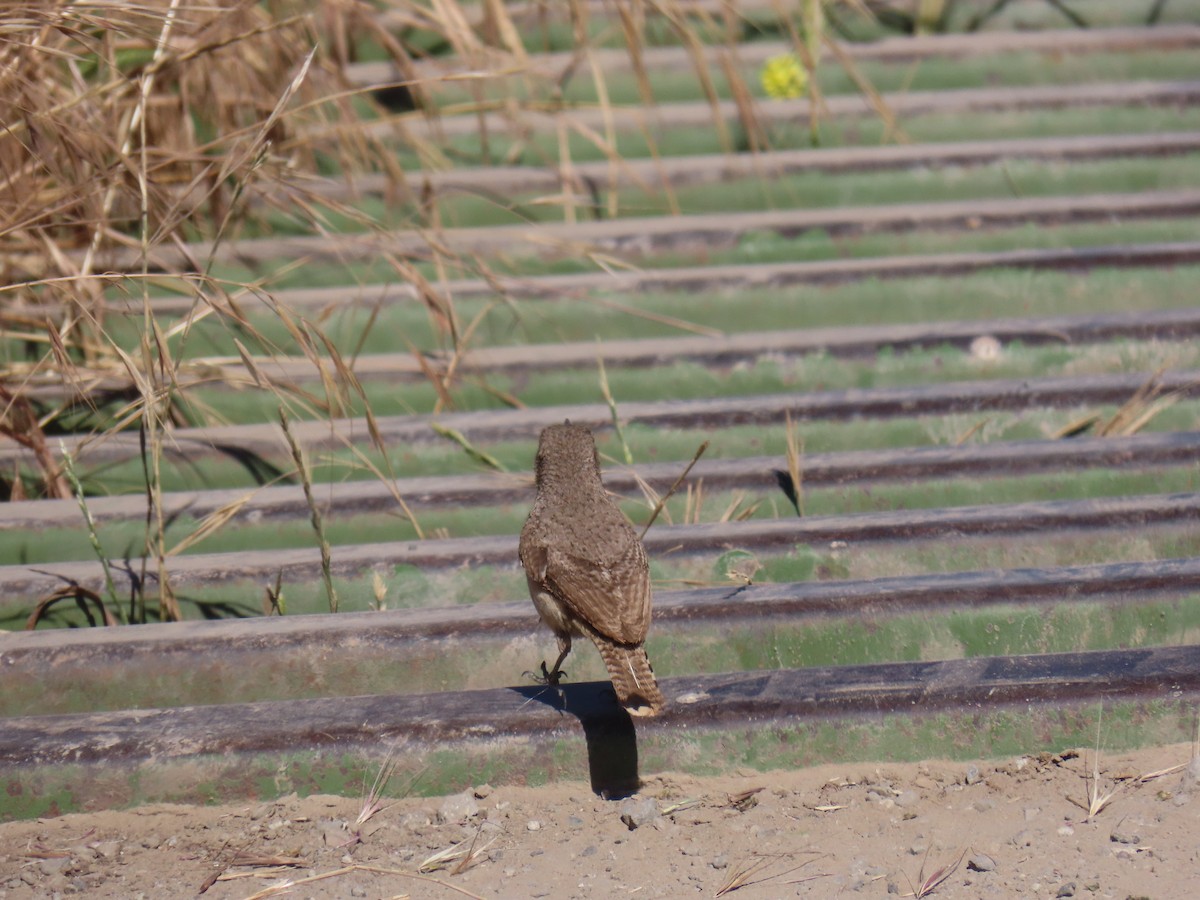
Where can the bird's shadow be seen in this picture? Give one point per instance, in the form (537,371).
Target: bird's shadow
(607,729)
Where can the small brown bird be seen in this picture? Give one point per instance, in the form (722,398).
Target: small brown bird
(586,568)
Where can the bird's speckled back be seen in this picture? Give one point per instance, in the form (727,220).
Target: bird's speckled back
(572,509)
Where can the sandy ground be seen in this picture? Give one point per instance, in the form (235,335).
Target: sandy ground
(1013,828)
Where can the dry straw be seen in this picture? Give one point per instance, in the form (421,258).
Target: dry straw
(140,142)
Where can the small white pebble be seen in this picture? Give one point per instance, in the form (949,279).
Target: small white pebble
(533,825)
(985,347)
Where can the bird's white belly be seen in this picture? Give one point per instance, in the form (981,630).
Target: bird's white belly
(553,613)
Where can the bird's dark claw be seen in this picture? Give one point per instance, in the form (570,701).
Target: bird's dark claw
(546,677)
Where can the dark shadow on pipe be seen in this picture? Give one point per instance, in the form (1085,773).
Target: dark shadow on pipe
(607,729)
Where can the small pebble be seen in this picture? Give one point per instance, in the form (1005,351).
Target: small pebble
(533,825)
(985,347)
(720,862)
(981,862)
(1067,890)
(1124,837)
(108,849)
(54,866)
(972,775)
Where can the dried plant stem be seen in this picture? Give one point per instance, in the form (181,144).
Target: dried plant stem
(674,487)
(81,596)
(472,451)
(612,408)
(795,453)
(151,439)
(286,886)
(314,510)
(68,468)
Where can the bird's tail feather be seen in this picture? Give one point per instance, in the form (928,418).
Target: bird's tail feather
(632,678)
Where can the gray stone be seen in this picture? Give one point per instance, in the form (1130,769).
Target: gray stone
(972,775)
(1120,836)
(639,811)
(908,799)
(981,862)
(107,849)
(1067,890)
(55,865)
(458,807)
(336,833)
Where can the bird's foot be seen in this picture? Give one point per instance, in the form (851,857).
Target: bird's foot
(547,677)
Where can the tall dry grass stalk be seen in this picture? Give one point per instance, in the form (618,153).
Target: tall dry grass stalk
(126,131)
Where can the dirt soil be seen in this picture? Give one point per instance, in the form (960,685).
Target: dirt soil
(1013,828)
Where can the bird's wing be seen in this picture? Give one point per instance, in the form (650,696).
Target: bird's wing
(613,598)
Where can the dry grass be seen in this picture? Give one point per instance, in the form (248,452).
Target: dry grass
(139,142)
(128,131)
(795,463)
(1146,403)
(302,468)
(927,884)
(458,857)
(287,886)
(757,870)
(660,502)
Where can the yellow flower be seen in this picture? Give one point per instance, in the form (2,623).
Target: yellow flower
(783,76)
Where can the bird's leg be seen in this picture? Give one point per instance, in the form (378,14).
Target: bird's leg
(553,676)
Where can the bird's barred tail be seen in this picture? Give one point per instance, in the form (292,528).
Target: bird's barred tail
(632,678)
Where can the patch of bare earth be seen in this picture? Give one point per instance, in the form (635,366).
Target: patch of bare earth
(1030,827)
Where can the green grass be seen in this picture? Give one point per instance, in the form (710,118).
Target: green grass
(123,540)
(408,588)
(1021,69)
(541,149)
(692,380)
(402,325)
(813,190)
(819,245)
(969,298)
(556,33)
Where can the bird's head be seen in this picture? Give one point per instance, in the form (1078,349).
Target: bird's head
(566,455)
